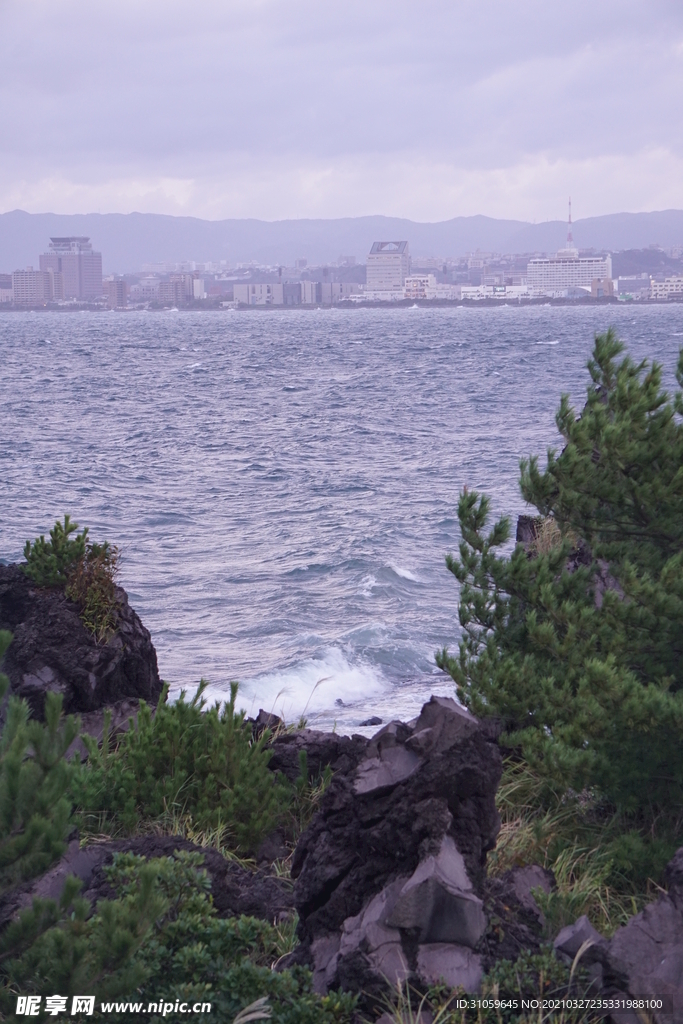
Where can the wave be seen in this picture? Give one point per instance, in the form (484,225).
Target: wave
(405,574)
(308,687)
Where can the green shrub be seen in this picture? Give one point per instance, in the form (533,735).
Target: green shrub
(48,562)
(588,680)
(187,759)
(34,779)
(159,940)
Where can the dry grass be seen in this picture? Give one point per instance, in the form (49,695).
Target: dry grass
(568,834)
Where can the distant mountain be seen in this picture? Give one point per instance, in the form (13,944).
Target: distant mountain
(129,240)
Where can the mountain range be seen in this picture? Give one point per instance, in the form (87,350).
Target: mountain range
(127,241)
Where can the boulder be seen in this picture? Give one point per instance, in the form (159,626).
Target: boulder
(234,889)
(342,753)
(389,874)
(52,650)
(516,922)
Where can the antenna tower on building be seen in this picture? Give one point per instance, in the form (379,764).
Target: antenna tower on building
(570,237)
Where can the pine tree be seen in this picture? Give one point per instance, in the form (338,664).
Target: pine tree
(34,779)
(578,648)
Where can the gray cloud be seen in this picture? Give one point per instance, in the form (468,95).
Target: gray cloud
(272,109)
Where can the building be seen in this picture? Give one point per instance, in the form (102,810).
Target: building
(116,291)
(388,265)
(635,286)
(332,292)
(420,286)
(260,294)
(6,293)
(669,288)
(36,287)
(81,268)
(502,292)
(566,272)
(310,292)
(602,288)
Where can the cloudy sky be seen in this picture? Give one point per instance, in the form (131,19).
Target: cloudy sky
(427,109)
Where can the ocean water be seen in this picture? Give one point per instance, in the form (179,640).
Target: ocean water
(283,484)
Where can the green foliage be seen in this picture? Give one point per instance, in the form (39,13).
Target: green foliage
(188,759)
(92,585)
(532,977)
(48,562)
(588,678)
(160,940)
(34,779)
(87,571)
(578,838)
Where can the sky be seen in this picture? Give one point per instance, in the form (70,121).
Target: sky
(271,109)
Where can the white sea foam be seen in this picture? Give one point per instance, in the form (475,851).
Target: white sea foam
(406,574)
(366,586)
(309,687)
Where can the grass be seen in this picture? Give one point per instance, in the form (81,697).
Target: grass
(571,835)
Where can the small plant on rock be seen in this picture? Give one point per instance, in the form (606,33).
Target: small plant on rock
(48,562)
(87,571)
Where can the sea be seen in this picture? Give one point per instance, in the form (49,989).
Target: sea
(283,484)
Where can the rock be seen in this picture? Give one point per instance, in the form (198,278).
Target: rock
(272,848)
(527,530)
(342,753)
(456,966)
(516,922)
(92,723)
(645,957)
(53,651)
(570,940)
(264,721)
(234,889)
(371,721)
(393,862)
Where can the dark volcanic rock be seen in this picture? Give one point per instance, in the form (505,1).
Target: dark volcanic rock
(52,650)
(235,890)
(515,921)
(390,871)
(342,753)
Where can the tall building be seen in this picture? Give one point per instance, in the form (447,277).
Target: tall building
(559,274)
(35,287)
(81,268)
(388,266)
(117,293)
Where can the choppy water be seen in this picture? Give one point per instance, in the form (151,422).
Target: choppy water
(284,485)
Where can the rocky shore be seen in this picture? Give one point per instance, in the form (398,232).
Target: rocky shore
(389,877)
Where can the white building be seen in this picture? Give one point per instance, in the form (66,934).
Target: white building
(557,275)
(198,289)
(420,286)
(388,265)
(259,294)
(502,292)
(669,288)
(6,293)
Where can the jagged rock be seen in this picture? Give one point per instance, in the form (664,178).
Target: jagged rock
(264,720)
(92,723)
(52,650)
(570,940)
(342,753)
(389,872)
(234,889)
(515,921)
(372,721)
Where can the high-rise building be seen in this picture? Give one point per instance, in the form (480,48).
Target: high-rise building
(81,268)
(388,266)
(566,270)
